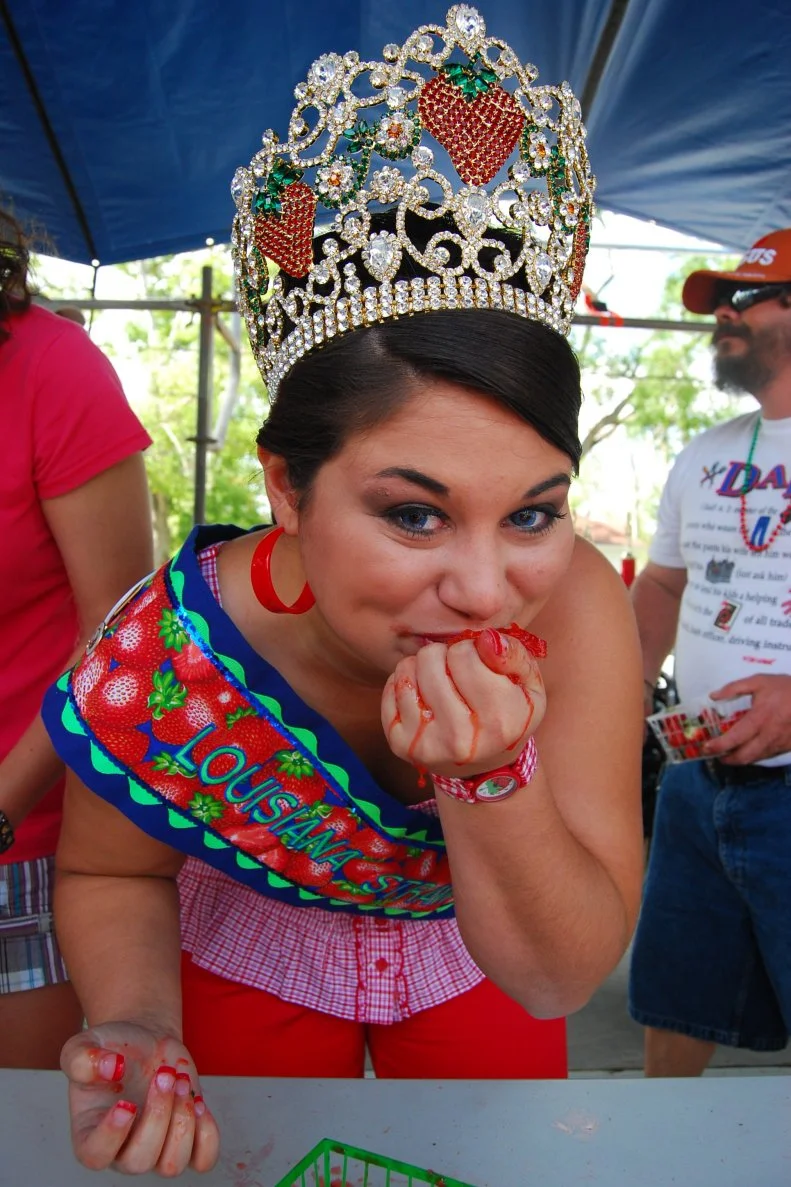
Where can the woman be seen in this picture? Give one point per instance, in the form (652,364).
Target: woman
(75,531)
(409,820)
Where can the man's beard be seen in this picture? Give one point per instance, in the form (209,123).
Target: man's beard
(739,373)
(752,370)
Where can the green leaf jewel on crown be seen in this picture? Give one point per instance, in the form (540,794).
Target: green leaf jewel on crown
(360,138)
(543,160)
(268,198)
(473,79)
(393,137)
(568,207)
(253,296)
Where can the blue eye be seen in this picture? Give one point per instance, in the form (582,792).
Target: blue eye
(535,519)
(414,520)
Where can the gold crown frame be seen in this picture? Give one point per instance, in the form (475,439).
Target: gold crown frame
(448,83)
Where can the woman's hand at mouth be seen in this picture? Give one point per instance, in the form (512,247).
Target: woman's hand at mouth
(462,708)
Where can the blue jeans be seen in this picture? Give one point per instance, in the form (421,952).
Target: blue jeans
(712,951)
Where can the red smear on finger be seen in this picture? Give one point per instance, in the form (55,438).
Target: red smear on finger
(530,642)
(475,721)
(426,716)
(474,718)
(530,710)
(396,719)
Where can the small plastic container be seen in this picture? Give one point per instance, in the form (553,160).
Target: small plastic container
(682,730)
(335,1164)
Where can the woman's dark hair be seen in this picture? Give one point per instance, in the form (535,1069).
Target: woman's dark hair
(15,292)
(360,379)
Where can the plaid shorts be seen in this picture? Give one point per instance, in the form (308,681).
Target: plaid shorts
(29,953)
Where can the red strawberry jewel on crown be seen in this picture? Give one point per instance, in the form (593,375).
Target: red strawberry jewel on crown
(283,225)
(473,118)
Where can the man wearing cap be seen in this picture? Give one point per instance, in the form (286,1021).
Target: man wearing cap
(712,952)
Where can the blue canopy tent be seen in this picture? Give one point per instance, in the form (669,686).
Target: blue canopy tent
(121,124)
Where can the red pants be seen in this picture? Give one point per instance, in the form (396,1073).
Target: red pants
(232,1030)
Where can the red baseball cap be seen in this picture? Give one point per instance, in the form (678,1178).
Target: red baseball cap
(767,262)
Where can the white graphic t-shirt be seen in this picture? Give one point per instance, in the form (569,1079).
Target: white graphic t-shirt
(735,617)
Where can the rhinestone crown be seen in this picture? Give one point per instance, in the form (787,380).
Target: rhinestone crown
(359,142)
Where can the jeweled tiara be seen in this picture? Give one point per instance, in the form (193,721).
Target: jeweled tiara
(359,142)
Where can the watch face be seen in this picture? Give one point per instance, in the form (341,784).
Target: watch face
(497,786)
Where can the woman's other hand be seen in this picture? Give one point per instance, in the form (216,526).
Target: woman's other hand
(135,1102)
(464,708)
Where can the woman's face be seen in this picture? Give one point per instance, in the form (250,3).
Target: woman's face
(451,515)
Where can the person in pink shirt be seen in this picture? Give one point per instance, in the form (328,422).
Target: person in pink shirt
(74,533)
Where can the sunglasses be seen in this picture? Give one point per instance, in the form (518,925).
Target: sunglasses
(741,299)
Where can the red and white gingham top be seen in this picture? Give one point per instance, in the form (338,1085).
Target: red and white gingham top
(373,970)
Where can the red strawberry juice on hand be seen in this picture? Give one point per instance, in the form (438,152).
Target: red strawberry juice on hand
(530,642)
(534,646)
(426,714)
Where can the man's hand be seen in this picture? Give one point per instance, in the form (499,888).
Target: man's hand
(764,730)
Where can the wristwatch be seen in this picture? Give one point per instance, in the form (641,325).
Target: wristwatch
(492,785)
(6,833)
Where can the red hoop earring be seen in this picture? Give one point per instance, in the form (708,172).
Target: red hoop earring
(261,579)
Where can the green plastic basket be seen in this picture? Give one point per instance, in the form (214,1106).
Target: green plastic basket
(334,1164)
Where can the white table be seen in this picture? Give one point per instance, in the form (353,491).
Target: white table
(715,1132)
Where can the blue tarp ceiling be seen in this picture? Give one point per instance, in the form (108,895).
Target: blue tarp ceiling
(122,123)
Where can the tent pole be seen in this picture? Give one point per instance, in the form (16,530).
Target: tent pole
(601,55)
(202,436)
(47,129)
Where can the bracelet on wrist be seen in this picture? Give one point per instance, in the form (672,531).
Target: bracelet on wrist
(6,833)
(492,785)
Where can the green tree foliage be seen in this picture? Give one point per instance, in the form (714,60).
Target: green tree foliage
(659,385)
(166,344)
(649,392)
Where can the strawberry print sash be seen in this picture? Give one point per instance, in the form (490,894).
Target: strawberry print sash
(174,719)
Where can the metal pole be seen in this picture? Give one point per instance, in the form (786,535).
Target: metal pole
(604,321)
(205,368)
(191,305)
(233,337)
(185,304)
